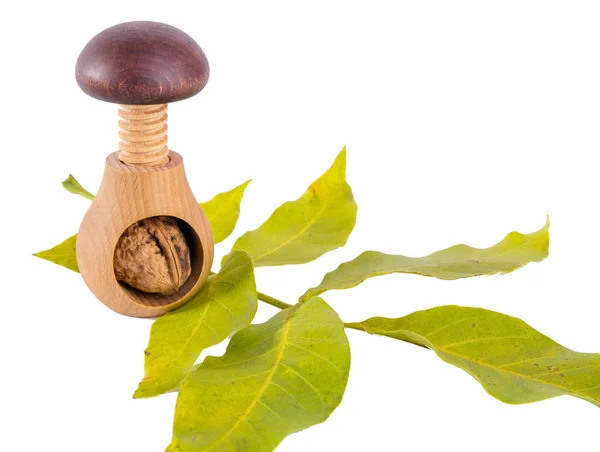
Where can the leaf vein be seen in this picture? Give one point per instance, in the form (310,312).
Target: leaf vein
(335,366)
(294,237)
(545,382)
(316,391)
(482,339)
(263,388)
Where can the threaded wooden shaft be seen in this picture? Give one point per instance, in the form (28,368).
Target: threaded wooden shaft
(143,135)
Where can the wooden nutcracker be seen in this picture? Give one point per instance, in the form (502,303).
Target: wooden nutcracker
(145,246)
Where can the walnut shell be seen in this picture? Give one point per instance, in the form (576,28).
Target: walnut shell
(153,256)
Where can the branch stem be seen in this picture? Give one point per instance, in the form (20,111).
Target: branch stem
(283,305)
(273,301)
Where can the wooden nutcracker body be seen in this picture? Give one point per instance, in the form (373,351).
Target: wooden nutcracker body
(128,194)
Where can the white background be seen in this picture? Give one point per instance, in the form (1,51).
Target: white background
(464,120)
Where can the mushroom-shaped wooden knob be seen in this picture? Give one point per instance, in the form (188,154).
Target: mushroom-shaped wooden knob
(145,246)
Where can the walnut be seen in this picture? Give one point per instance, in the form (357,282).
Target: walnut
(153,256)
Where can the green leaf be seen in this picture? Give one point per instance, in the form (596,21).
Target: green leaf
(460,261)
(275,379)
(223,211)
(299,231)
(514,363)
(225,304)
(71,185)
(62,254)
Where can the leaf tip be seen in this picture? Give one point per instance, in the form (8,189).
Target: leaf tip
(342,156)
(338,168)
(242,187)
(137,394)
(142,390)
(41,254)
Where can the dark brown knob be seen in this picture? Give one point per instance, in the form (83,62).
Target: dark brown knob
(142,63)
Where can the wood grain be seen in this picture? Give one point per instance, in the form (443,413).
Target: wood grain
(143,135)
(142,63)
(128,194)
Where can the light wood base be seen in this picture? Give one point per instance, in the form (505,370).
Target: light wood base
(128,194)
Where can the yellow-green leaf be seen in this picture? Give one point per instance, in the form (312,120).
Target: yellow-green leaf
(514,363)
(299,231)
(460,261)
(62,254)
(223,211)
(224,305)
(71,185)
(275,379)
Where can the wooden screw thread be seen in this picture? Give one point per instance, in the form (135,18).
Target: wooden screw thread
(143,135)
